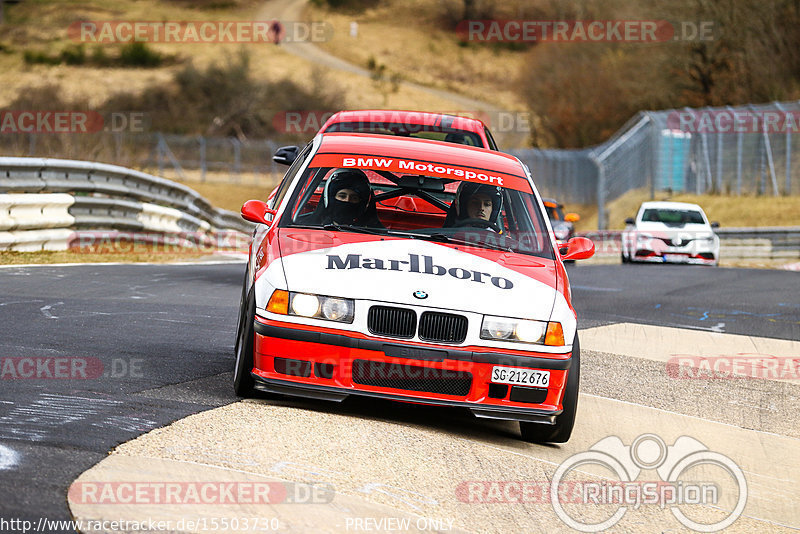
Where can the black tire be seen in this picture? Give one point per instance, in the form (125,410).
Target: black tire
(243,383)
(562,430)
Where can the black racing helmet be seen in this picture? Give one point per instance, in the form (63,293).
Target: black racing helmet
(468,189)
(345,212)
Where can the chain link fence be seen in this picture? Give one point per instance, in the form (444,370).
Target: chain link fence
(725,150)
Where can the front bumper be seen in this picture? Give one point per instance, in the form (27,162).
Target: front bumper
(675,256)
(328,364)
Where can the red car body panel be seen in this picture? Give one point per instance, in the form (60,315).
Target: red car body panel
(411,118)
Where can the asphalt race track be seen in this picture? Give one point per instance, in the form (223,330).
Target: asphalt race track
(119,350)
(764,303)
(144,326)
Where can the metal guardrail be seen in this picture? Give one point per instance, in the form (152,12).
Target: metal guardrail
(765,242)
(735,243)
(38,194)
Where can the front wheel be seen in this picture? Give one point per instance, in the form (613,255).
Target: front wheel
(243,383)
(562,430)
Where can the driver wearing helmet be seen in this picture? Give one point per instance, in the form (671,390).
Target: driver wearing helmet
(347,199)
(475,203)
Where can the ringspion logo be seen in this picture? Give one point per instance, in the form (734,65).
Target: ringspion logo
(674,464)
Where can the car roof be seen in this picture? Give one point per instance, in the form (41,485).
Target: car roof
(420,149)
(407,117)
(663,204)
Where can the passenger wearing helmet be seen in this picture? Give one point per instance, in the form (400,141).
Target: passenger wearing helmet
(475,203)
(347,199)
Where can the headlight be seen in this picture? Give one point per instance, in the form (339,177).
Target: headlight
(561,234)
(337,309)
(313,306)
(522,331)
(496,328)
(305,305)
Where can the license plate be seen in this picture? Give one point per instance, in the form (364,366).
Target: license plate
(520,377)
(675,257)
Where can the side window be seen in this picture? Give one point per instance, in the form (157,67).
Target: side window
(280,192)
(492,144)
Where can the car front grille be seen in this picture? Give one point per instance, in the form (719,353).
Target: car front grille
(443,327)
(392,322)
(412,378)
(677,241)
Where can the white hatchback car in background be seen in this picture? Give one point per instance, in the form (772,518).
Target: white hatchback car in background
(670,232)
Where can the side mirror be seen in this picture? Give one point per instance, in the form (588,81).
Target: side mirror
(286,155)
(578,248)
(572,217)
(714,224)
(257,211)
(630,220)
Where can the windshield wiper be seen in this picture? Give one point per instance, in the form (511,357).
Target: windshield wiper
(351,228)
(443,238)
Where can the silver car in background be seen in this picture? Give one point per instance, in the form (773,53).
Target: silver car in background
(670,232)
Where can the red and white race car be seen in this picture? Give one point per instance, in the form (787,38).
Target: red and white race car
(418,124)
(423,125)
(411,270)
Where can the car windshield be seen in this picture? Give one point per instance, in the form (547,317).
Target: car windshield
(554,213)
(420,131)
(435,205)
(672,216)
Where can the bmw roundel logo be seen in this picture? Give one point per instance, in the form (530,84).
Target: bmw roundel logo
(420,294)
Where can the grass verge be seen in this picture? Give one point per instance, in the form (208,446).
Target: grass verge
(729,211)
(73,256)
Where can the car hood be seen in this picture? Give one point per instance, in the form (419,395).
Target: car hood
(394,270)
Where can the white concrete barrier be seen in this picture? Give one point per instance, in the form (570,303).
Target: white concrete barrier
(35,211)
(35,240)
(160,219)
